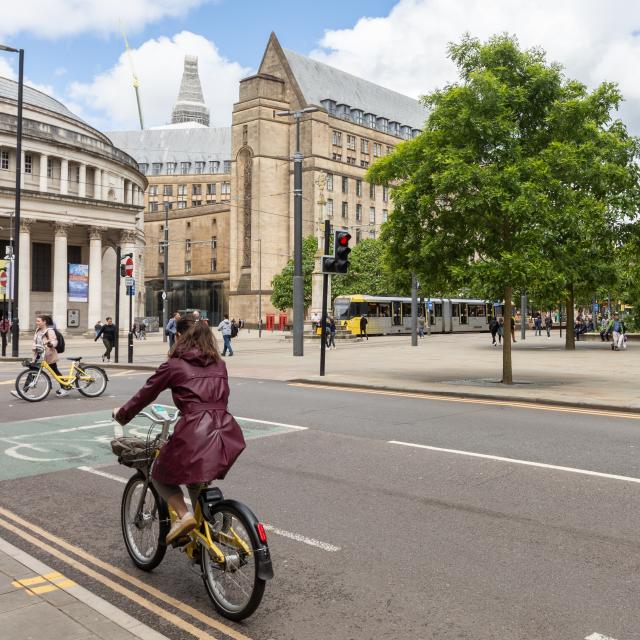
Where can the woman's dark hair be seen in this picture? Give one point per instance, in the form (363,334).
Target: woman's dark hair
(195,335)
(48,320)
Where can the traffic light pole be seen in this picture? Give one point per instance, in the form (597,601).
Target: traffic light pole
(325,295)
(116,349)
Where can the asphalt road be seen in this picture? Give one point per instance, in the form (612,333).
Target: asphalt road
(375,539)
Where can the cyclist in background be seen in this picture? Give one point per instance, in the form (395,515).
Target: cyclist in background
(206,439)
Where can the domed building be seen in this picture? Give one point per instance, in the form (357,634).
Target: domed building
(81,197)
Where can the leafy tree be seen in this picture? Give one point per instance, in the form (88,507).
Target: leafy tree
(282,283)
(483,199)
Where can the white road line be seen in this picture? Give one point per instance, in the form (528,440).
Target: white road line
(57,431)
(528,463)
(275,424)
(312,542)
(598,636)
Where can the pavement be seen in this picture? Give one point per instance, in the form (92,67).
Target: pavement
(463,365)
(38,603)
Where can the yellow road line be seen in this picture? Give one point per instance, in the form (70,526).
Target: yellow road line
(486,401)
(156,593)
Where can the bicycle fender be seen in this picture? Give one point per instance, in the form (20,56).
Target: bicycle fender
(263,556)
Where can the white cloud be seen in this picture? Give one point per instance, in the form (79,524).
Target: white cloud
(58,18)
(6,70)
(406,50)
(109,100)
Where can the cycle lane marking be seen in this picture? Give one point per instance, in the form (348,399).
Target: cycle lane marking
(598,636)
(297,537)
(527,463)
(18,522)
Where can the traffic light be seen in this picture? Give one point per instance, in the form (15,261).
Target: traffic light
(341,251)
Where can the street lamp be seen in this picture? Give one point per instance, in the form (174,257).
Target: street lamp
(16,232)
(298,277)
(165,254)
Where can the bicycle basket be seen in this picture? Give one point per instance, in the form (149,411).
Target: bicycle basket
(134,452)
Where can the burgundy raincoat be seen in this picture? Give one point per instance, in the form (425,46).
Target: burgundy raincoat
(206,439)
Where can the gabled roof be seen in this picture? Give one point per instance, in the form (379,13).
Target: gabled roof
(319,81)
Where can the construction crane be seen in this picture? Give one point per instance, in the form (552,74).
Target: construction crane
(136,82)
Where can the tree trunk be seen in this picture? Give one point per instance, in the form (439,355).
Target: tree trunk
(570,340)
(507,372)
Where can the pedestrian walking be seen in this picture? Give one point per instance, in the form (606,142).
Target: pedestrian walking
(171,328)
(494,326)
(143,331)
(421,324)
(605,336)
(108,334)
(500,331)
(5,328)
(96,327)
(548,323)
(363,327)
(225,329)
(537,323)
(136,331)
(331,333)
(617,328)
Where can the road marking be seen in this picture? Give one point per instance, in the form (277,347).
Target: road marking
(115,586)
(486,401)
(326,546)
(598,636)
(275,424)
(528,463)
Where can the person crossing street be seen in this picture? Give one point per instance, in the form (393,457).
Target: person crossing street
(225,329)
(108,334)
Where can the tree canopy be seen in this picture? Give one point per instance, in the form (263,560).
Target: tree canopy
(517,182)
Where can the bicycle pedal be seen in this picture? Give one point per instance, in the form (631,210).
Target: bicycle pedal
(180,542)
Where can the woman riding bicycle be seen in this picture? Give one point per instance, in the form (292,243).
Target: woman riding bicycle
(206,440)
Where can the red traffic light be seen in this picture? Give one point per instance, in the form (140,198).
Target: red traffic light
(344,240)
(3,279)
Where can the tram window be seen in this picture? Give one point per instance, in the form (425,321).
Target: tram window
(481,311)
(464,313)
(438,307)
(455,310)
(372,309)
(406,310)
(472,310)
(385,310)
(341,309)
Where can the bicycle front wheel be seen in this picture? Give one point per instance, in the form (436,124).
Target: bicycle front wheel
(234,587)
(91,381)
(33,386)
(144,530)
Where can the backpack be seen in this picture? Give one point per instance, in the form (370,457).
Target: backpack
(60,338)
(234,330)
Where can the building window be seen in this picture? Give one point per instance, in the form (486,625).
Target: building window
(156,168)
(4,160)
(187,245)
(188,225)
(182,189)
(49,167)
(225,190)
(153,206)
(371,121)
(167,190)
(143,168)
(364,163)
(372,234)
(359,188)
(329,208)
(372,191)
(77,174)
(196,189)
(161,268)
(171,167)
(214,264)
(227,166)
(372,215)
(345,184)
(345,209)
(377,150)
(337,138)
(211,189)
(385,215)
(214,166)
(351,142)
(389,150)
(351,160)
(364,146)
(385,194)
(153,189)
(182,204)
(41,267)
(337,156)
(358,235)
(329,181)
(200,165)
(28,163)
(185,167)
(187,266)
(358,212)
(196,203)
(74,254)
(214,243)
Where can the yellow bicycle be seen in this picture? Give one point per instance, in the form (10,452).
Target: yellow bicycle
(34,383)
(229,542)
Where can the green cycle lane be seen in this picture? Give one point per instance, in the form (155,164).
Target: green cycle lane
(44,445)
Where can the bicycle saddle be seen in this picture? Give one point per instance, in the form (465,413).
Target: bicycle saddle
(75,359)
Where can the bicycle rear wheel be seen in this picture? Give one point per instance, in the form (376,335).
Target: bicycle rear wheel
(144,532)
(235,588)
(91,381)
(33,386)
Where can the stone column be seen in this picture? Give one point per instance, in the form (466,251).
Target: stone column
(97,183)
(60,275)
(64,176)
(24,275)
(82,184)
(22,154)
(95,276)
(43,172)
(105,184)
(127,245)
(129,192)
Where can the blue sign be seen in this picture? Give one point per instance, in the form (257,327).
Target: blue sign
(131,291)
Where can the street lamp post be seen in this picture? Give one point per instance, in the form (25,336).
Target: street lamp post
(298,277)
(16,233)
(165,285)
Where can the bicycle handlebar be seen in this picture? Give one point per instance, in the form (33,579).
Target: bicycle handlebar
(165,422)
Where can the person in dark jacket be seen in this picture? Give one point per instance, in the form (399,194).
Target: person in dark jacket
(363,327)
(493,328)
(108,333)
(206,440)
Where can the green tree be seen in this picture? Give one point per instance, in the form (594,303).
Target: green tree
(482,199)
(282,283)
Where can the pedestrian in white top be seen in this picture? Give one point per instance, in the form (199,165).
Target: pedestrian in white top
(225,329)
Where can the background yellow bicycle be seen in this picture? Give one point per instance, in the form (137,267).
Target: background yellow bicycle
(34,383)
